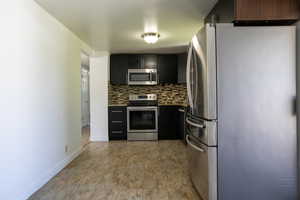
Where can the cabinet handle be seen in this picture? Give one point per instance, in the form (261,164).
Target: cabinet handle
(116,111)
(117,131)
(117,122)
(181,110)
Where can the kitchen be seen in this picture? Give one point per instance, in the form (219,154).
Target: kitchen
(187,100)
(156,83)
(203,97)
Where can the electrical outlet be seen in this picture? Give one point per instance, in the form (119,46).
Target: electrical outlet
(66,149)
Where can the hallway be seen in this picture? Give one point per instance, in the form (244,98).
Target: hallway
(124,171)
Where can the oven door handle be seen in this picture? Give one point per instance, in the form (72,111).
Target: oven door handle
(192,145)
(142,108)
(194,124)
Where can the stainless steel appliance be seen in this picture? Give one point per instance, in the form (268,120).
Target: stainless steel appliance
(142,77)
(241,121)
(142,117)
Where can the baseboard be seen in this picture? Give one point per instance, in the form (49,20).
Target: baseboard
(36,185)
(98,139)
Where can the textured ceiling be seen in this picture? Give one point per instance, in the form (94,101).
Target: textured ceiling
(116,25)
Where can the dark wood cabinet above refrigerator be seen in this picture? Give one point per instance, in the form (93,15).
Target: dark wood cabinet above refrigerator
(266,10)
(255,12)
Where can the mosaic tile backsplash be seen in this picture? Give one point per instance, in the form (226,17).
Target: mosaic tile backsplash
(168,94)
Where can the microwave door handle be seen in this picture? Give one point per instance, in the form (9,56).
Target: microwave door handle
(188,77)
(128,77)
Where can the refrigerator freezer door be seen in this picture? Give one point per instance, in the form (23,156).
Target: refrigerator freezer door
(203,168)
(201,74)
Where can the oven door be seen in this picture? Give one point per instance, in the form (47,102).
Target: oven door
(142,77)
(142,119)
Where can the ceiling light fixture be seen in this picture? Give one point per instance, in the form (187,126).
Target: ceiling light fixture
(150,37)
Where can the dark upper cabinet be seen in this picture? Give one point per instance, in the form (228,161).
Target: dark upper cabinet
(119,69)
(167,65)
(167,68)
(182,62)
(134,61)
(148,61)
(167,123)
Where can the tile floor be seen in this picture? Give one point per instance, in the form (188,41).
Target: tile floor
(124,171)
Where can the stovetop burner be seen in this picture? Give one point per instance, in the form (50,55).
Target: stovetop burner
(143,100)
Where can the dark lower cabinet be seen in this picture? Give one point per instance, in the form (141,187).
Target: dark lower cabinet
(117,123)
(168,123)
(181,123)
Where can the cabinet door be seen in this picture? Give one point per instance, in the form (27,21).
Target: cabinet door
(181,124)
(167,123)
(269,10)
(117,123)
(182,61)
(248,9)
(118,69)
(149,61)
(280,9)
(134,61)
(167,66)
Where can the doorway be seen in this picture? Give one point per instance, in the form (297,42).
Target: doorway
(85,99)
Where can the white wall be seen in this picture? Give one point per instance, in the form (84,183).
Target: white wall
(40,97)
(99,66)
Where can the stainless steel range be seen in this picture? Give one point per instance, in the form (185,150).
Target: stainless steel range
(142,117)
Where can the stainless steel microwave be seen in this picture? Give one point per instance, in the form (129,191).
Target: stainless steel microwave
(142,77)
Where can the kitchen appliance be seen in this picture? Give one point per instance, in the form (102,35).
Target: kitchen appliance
(241,118)
(142,77)
(142,117)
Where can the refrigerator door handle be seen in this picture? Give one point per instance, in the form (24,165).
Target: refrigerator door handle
(188,77)
(194,124)
(192,145)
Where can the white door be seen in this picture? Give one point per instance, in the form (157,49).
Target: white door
(85,98)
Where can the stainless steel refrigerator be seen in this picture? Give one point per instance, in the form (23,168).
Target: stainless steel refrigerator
(241,120)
